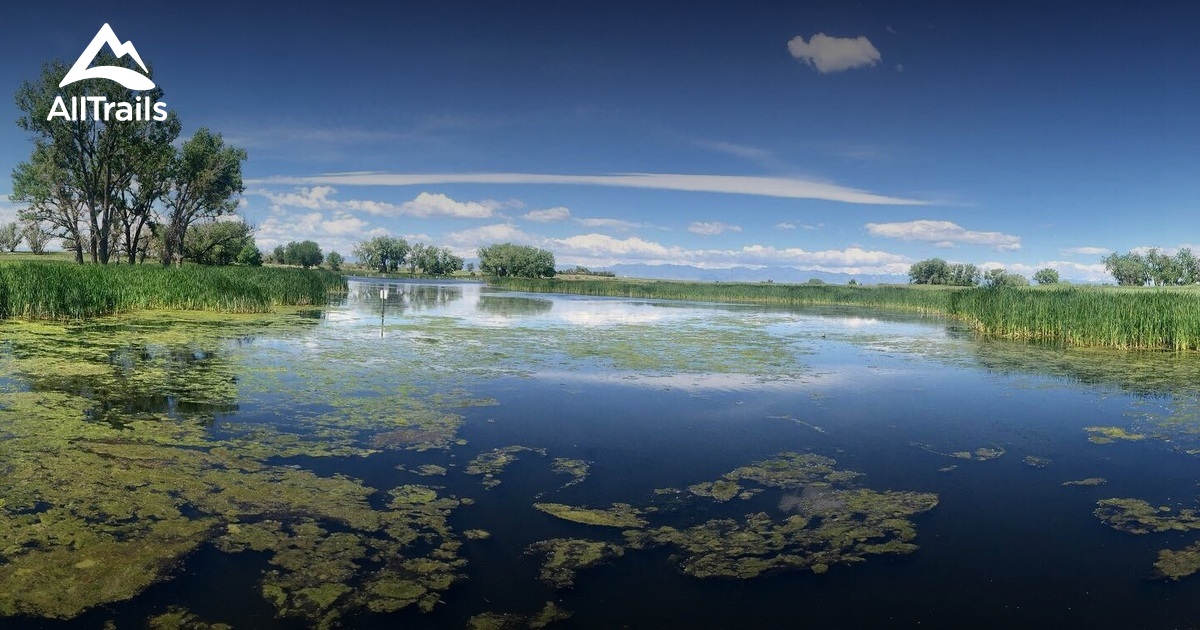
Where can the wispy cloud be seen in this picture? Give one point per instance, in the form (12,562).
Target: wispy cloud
(611,224)
(731,184)
(1086,251)
(944,233)
(787,225)
(423,205)
(547,215)
(834,54)
(710,228)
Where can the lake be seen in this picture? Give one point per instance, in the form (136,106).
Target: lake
(455,454)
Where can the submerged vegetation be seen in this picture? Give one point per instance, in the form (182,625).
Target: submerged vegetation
(34,290)
(1077,316)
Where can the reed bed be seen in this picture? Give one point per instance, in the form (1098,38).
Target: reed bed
(1114,317)
(59,290)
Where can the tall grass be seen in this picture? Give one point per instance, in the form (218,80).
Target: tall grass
(57,290)
(1150,318)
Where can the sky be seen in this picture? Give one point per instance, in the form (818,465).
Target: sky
(842,137)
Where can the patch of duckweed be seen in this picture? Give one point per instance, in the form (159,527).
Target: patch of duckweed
(576,468)
(1035,461)
(113,474)
(177,618)
(564,557)
(981,454)
(1108,435)
(1089,481)
(490,464)
(1177,565)
(721,490)
(619,515)
(549,614)
(477,534)
(1139,517)
(835,522)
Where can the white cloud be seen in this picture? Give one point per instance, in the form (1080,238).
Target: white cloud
(1168,251)
(943,233)
(465,242)
(604,250)
(736,150)
(785,226)
(337,231)
(712,227)
(1068,270)
(423,205)
(1086,251)
(613,224)
(549,214)
(834,54)
(732,184)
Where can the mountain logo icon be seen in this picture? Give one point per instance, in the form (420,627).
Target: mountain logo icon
(125,76)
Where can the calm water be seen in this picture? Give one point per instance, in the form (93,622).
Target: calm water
(651,395)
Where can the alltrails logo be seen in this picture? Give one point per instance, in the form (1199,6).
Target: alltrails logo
(142,109)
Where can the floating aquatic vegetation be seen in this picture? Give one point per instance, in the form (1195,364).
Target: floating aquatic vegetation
(576,468)
(1090,481)
(177,618)
(1139,517)
(619,515)
(1108,435)
(721,490)
(429,470)
(477,534)
(980,454)
(564,557)
(949,468)
(491,463)
(1036,462)
(1177,565)
(835,523)
(550,613)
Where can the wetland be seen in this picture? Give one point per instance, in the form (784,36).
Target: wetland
(458,455)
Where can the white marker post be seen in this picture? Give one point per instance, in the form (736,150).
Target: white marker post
(383,295)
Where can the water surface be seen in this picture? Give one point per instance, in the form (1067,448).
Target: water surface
(315,467)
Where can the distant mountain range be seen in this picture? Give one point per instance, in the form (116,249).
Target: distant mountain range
(741,274)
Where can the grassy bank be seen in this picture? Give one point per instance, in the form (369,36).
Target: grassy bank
(1082,316)
(59,290)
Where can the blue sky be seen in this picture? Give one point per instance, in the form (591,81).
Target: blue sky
(813,135)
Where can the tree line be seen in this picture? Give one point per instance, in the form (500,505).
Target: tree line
(1153,267)
(118,190)
(940,272)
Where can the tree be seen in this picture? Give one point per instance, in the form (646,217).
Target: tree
(1046,276)
(334,260)
(217,242)
(10,236)
(279,255)
(305,253)
(82,174)
(1128,269)
(1189,266)
(930,271)
(384,253)
(508,259)
(35,237)
(250,255)
(997,277)
(471,268)
(852,282)
(964,275)
(206,177)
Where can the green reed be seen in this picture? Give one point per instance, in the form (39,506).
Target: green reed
(1155,318)
(59,290)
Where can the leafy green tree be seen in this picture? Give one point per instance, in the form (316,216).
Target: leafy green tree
(852,282)
(384,253)
(930,271)
(1189,266)
(964,275)
(471,268)
(1046,276)
(334,260)
(508,259)
(206,180)
(815,282)
(250,255)
(82,174)
(1128,269)
(217,242)
(305,253)
(35,237)
(10,236)
(998,277)
(279,255)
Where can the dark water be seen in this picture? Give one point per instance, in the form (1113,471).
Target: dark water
(659,395)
